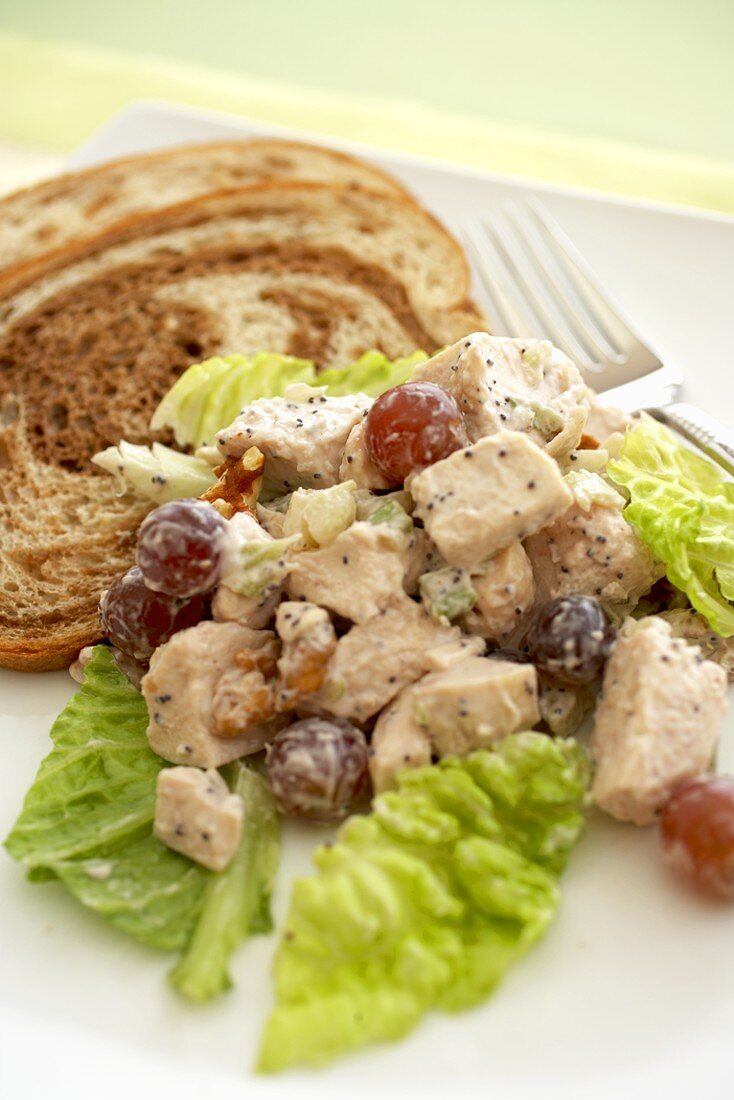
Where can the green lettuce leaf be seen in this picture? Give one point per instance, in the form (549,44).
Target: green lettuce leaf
(144,889)
(236,902)
(683,509)
(425,902)
(95,791)
(87,821)
(158,473)
(209,395)
(373,373)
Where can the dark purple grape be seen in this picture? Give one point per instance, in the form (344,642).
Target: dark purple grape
(317,767)
(180,546)
(571,639)
(515,655)
(138,620)
(413,426)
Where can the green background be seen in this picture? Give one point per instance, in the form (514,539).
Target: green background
(651,72)
(565,89)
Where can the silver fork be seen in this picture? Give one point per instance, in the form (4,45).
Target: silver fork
(538,283)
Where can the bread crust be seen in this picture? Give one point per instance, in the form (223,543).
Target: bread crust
(56,184)
(192,212)
(47,653)
(36,202)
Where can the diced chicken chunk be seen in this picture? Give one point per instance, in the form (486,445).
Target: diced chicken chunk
(398,742)
(451,653)
(197,816)
(657,722)
(229,605)
(421,555)
(603,420)
(592,552)
(181,688)
(302,435)
(355,575)
(252,611)
(505,591)
(271,520)
(309,640)
(692,627)
(356,464)
(375,660)
(483,498)
(475,702)
(563,707)
(499,383)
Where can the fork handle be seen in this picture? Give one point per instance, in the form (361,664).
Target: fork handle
(701,430)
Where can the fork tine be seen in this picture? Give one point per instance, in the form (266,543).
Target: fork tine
(590,291)
(560,334)
(513,322)
(555,285)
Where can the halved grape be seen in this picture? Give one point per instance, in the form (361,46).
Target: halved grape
(411,427)
(138,620)
(317,767)
(180,547)
(697,833)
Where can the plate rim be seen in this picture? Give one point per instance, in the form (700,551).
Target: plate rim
(84,156)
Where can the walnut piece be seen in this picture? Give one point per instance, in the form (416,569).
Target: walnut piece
(239,483)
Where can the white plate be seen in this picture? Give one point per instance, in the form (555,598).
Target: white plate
(632,992)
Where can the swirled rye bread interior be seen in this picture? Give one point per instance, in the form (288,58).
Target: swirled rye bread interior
(93,335)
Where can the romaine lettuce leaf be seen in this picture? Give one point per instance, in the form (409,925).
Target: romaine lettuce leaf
(373,373)
(425,902)
(95,791)
(237,901)
(144,889)
(87,820)
(209,395)
(683,509)
(158,473)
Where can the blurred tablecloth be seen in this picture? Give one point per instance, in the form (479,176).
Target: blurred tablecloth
(54,95)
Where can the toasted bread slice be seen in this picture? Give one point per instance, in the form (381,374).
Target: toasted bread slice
(93,335)
(82,204)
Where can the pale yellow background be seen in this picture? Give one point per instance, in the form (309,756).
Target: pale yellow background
(627,95)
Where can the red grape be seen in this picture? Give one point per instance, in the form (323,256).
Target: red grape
(697,832)
(316,767)
(138,620)
(180,547)
(413,426)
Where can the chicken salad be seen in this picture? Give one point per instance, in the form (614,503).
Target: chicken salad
(419,591)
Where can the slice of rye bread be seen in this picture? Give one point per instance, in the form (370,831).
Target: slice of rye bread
(93,335)
(82,204)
